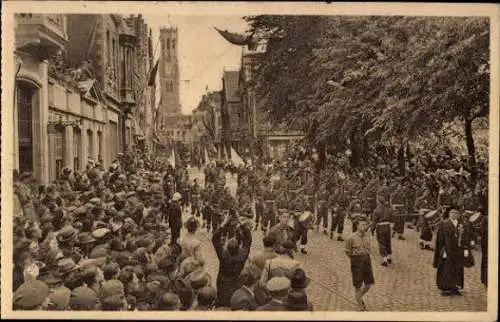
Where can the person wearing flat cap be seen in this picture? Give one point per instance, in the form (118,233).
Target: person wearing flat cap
(244,298)
(83,299)
(297,301)
(205,299)
(169,302)
(112,296)
(278,287)
(357,247)
(32,295)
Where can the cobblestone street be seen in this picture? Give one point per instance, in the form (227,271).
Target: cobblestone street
(408,285)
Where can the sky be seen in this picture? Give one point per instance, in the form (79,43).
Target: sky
(203,53)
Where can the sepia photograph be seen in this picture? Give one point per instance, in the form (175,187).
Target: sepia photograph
(249,157)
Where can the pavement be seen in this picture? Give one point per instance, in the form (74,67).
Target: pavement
(409,284)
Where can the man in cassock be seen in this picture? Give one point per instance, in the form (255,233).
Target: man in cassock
(449,255)
(174,215)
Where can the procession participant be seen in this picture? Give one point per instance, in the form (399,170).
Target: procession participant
(322,210)
(338,203)
(231,261)
(303,220)
(174,214)
(169,185)
(358,249)
(195,199)
(270,203)
(355,211)
(381,224)
(259,210)
(398,203)
(369,196)
(284,230)
(449,255)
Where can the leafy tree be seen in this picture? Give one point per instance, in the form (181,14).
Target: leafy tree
(373,83)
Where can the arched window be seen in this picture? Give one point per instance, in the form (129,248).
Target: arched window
(27,95)
(173,44)
(168,44)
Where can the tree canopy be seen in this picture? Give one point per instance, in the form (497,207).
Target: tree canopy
(373,79)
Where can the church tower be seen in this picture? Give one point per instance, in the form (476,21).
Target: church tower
(169,72)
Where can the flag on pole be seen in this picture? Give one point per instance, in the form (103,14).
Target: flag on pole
(171,158)
(152,75)
(207,159)
(235,158)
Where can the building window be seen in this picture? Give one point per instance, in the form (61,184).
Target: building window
(25,97)
(99,146)
(59,147)
(90,144)
(113,140)
(77,146)
(168,44)
(173,44)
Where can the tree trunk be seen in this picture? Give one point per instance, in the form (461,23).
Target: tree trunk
(471,149)
(401,160)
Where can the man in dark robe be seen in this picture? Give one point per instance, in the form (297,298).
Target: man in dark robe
(232,258)
(174,215)
(449,255)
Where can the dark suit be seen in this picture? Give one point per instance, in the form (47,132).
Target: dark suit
(450,270)
(230,266)
(243,299)
(273,305)
(174,215)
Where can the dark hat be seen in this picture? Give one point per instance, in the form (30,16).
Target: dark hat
(83,298)
(198,279)
(269,240)
(60,298)
(50,278)
(110,288)
(66,265)
(111,268)
(66,234)
(296,301)
(98,252)
(166,263)
(169,301)
(288,244)
(191,223)
(85,238)
(47,217)
(206,295)
(30,294)
(299,279)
